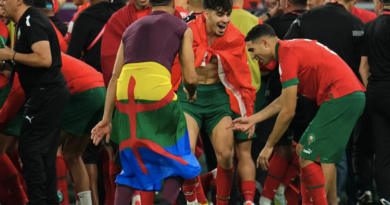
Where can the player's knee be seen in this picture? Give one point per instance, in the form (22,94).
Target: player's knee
(71,157)
(224,155)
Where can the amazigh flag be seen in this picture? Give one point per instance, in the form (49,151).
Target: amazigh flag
(3,34)
(150,128)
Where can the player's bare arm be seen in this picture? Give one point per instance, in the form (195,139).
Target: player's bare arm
(186,56)
(364,70)
(41,56)
(104,127)
(243,124)
(289,103)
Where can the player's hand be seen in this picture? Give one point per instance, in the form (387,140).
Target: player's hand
(251,131)
(101,130)
(277,10)
(6,54)
(242,124)
(191,98)
(263,157)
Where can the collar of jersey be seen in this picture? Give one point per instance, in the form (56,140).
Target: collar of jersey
(276,50)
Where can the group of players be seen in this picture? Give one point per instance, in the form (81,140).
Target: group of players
(171,82)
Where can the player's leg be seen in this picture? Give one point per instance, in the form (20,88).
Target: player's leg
(123,194)
(72,152)
(9,175)
(171,190)
(193,119)
(246,169)
(222,140)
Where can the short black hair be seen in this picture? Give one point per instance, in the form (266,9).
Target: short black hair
(299,3)
(219,5)
(260,30)
(160,2)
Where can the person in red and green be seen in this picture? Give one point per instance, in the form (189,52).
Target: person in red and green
(309,68)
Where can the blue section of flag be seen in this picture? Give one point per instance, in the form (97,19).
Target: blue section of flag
(158,166)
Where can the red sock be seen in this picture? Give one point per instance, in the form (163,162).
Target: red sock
(292,197)
(248,189)
(62,184)
(114,171)
(304,194)
(292,171)
(137,198)
(9,178)
(14,157)
(189,189)
(205,180)
(110,191)
(224,182)
(315,183)
(276,171)
(147,197)
(199,191)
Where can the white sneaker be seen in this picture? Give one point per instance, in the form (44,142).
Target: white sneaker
(280,199)
(384,202)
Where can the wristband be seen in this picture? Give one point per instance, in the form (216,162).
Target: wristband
(269,15)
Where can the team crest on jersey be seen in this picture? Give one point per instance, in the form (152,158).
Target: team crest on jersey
(311,138)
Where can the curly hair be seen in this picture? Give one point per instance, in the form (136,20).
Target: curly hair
(219,5)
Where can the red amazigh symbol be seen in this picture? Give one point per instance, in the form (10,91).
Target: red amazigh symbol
(131,110)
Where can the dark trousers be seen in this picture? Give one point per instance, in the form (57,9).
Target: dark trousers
(363,153)
(378,101)
(38,144)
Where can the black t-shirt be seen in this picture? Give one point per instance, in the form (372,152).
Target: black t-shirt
(376,46)
(87,28)
(280,24)
(62,28)
(336,28)
(33,27)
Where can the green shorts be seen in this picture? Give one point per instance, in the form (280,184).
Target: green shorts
(326,137)
(211,105)
(241,135)
(14,127)
(83,111)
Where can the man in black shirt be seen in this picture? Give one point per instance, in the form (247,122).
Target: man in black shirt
(334,26)
(38,63)
(88,30)
(375,73)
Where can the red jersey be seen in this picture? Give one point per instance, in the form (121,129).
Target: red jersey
(13,103)
(71,23)
(79,75)
(318,71)
(183,13)
(364,15)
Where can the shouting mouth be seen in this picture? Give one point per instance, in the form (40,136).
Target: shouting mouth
(222,28)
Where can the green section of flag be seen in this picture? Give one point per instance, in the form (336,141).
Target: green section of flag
(164,126)
(3,42)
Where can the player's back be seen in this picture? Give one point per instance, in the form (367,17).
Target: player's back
(79,75)
(322,74)
(154,38)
